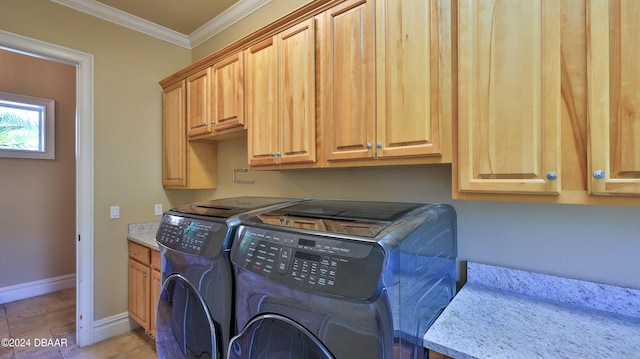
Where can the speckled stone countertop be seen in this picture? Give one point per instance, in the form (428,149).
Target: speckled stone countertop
(506,313)
(144,233)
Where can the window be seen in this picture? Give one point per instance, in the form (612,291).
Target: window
(26,127)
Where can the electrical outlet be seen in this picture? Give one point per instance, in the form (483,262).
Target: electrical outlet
(158,209)
(115,212)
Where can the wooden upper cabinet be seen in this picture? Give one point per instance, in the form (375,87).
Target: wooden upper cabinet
(199,103)
(185,164)
(613,96)
(281,98)
(413,81)
(174,136)
(262,109)
(348,76)
(509,108)
(297,88)
(228,93)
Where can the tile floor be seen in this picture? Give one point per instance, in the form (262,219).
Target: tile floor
(48,323)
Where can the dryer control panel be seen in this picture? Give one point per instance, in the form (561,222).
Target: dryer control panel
(192,235)
(327,265)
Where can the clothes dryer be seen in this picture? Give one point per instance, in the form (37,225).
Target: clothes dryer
(329,279)
(194,318)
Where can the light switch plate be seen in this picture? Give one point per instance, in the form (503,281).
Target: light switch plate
(158,209)
(115,212)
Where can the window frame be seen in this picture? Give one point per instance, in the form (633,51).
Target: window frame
(47,124)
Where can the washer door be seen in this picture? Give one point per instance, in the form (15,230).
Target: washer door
(184,326)
(272,336)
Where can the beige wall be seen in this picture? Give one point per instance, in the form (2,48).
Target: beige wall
(127,106)
(37,197)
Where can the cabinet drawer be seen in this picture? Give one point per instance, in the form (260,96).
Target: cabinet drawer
(140,253)
(155,260)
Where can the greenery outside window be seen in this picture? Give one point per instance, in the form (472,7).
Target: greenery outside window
(26,127)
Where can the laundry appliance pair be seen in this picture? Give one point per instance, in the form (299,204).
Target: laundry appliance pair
(303,278)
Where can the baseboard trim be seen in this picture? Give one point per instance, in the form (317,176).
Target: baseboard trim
(111,326)
(36,288)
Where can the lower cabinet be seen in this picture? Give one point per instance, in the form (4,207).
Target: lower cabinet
(436,355)
(144,285)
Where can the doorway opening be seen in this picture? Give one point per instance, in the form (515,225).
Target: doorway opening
(83,63)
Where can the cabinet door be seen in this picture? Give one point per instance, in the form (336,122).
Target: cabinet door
(174,136)
(509,96)
(614,96)
(348,76)
(296,95)
(155,295)
(199,103)
(262,109)
(228,93)
(139,289)
(409,103)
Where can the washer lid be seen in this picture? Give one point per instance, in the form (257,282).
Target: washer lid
(362,218)
(228,207)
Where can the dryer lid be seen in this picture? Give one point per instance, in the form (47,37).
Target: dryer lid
(362,218)
(228,207)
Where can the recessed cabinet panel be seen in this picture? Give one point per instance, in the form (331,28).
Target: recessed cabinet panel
(408,78)
(509,96)
(614,96)
(174,144)
(228,93)
(348,67)
(296,69)
(199,103)
(262,107)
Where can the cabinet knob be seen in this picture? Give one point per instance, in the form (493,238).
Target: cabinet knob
(378,145)
(144,275)
(272,154)
(368,146)
(180,179)
(278,154)
(552,176)
(213,122)
(135,253)
(599,174)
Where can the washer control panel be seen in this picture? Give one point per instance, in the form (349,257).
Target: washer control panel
(328,265)
(191,235)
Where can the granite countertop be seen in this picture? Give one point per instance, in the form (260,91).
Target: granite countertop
(505,313)
(144,233)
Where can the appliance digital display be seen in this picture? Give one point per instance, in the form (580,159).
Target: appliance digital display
(308,256)
(306,242)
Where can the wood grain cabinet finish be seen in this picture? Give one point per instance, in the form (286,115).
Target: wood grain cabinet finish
(281,120)
(386,81)
(509,96)
(199,103)
(185,164)
(413,80)
(613,96)
(174,136)
(139,293)
(348,80)
(144,285)
(548,89)
(228,93)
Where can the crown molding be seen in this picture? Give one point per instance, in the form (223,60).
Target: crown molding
(119,17)
(235,13)
(232,15)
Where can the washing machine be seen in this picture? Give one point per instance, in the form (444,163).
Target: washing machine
(194,318)
(335,279)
